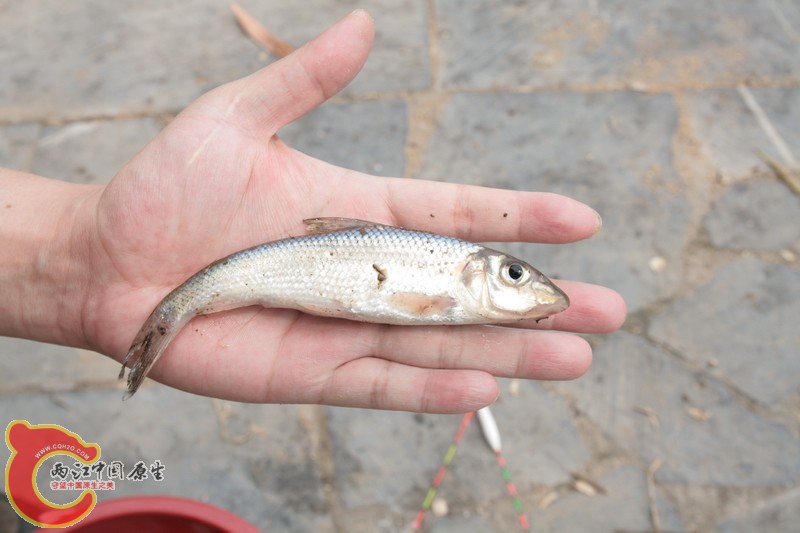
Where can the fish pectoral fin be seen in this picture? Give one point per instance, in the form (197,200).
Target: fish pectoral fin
(322,225)
(422,305)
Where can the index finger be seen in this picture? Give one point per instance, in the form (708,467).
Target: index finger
(477,213)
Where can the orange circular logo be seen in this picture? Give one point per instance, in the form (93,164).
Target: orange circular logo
(30,445)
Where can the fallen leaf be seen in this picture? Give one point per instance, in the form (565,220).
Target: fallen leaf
(789,177)
(701,415)
(586,486)
(253,29)
(548,499)
(651,494)
(651,415)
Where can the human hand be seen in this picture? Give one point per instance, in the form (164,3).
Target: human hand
(218,180)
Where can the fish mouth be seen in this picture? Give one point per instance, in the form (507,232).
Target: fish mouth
(550,300)
(547,310)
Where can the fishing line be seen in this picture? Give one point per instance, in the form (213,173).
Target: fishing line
(439,477)
(492,436)
(512,491)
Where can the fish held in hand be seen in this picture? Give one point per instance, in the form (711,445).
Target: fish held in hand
(359,271)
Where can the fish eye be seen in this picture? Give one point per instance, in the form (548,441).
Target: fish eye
(515,271)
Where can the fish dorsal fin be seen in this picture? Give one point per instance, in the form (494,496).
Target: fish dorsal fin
(330,224)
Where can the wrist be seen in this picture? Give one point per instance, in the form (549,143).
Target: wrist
(45,240)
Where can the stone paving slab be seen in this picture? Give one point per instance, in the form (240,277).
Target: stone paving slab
(34,366)
(730,135)
(104,59)
(649,404)
(399,60)
(365,136)
(623,507)
(745,319)
(779,514)
(18,144)
(92,152)
(752,215)
(641,44)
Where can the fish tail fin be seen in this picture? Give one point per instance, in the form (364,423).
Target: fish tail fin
(151,341)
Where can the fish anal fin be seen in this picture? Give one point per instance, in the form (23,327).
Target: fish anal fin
(322,225)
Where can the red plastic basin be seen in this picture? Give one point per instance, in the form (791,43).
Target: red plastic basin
(159,514)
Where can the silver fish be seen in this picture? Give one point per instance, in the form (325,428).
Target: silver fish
(359,271)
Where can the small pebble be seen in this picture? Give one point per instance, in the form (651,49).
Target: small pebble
(439,507)
(658,264)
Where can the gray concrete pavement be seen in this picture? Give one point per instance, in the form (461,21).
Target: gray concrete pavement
(633,107)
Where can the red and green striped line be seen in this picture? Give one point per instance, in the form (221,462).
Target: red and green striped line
(512,491)
(439,477)
(448,458)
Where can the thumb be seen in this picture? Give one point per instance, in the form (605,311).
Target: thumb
(262,103)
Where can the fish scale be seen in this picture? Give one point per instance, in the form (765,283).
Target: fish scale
(359,271)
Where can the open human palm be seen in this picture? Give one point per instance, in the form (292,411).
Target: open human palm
(218,179)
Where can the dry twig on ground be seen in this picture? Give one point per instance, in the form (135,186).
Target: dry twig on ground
(253,29)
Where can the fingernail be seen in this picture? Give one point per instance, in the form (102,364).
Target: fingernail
(599,224)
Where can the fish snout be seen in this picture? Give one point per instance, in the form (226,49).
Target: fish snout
(550,299)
